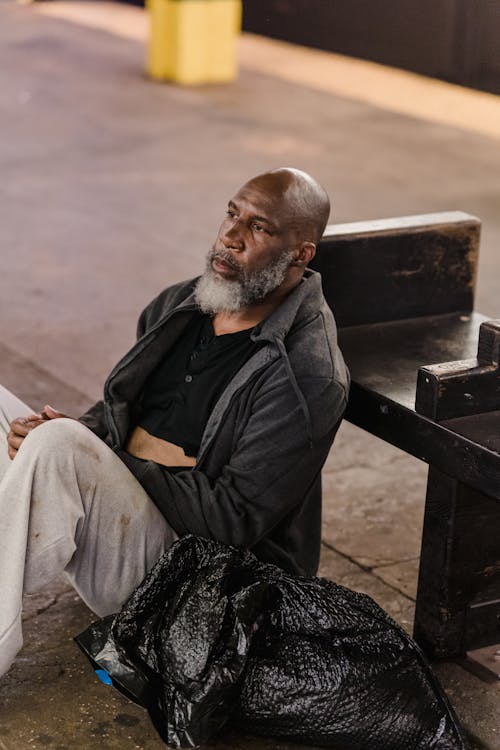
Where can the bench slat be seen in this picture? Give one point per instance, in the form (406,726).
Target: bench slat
(456,453)
(385,357)
(399,268)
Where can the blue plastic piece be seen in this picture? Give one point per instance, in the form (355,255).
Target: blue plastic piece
(104,676)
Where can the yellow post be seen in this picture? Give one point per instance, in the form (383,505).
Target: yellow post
(193,41)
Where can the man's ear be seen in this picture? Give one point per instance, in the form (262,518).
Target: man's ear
(304,254)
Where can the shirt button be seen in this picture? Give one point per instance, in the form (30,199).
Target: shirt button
(188,378)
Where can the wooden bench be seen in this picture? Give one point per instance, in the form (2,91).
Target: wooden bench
(426,378)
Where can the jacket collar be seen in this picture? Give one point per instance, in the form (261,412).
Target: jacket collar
(301,303)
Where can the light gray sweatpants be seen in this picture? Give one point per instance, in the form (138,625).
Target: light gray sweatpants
(67,503)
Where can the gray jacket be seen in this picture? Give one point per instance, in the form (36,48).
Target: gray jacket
(256,483)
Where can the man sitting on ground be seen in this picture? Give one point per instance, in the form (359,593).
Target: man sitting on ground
(217,422)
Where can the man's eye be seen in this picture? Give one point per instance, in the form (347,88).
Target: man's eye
(258,227)
(230,213)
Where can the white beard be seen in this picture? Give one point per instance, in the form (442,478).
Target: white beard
(214,294)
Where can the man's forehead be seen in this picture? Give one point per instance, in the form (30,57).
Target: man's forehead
(259,198)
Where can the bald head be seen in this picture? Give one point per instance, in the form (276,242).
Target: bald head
(304,202)
(264,244)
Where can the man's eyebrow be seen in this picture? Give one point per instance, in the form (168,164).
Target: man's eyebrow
(255,217)
(264,220)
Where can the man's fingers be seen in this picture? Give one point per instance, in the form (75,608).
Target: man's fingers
(21,426)
(14,441)
(33,417)
(19,429)
(51,413)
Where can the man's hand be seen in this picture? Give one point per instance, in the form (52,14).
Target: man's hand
(22,426)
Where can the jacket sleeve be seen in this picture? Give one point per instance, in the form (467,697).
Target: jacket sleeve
(142,323)
(166,300)
(94,419)
(271,468)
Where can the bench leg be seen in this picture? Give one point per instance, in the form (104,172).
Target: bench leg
(458,599)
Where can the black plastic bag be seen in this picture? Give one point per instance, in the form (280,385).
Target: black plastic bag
(214,636)
(180,643)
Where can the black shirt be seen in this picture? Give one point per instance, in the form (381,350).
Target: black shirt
(182,391)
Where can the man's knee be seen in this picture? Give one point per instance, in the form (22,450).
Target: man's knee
(59,436)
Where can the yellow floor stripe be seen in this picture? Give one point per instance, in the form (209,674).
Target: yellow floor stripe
(385,87)
(388,88)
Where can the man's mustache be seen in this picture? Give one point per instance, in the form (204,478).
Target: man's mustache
(226,257)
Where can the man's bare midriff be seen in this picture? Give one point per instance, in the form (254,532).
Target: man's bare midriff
(143,445)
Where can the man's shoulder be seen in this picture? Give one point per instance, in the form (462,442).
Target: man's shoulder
(168,299)
(312,343)
(174,294)
(313,349)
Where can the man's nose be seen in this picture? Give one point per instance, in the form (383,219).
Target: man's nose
(232,237)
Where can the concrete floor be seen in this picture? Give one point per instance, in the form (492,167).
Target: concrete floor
(112,188)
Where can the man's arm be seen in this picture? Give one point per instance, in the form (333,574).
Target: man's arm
(95,420)
(273,465)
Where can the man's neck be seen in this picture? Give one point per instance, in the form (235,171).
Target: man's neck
(233,322)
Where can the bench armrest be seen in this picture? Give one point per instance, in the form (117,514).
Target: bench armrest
(466,387)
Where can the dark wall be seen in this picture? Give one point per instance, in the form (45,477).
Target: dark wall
(456,40)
